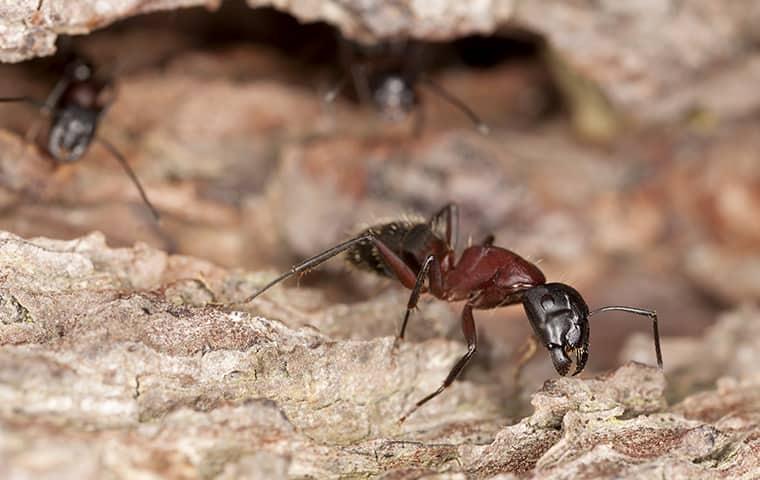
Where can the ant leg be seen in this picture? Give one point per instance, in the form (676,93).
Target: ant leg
(430,262)
(488,241)
(470,334)
(530,346)
(332,94)
(55,94)
(459,104)
(405,275)
(28,100)
(32,132)
(644,313)
(361,84)
(450,215)
(123,162)
(420,119)
(312,262)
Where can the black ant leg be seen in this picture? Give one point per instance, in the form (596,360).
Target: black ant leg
(52,99)
(444,94)
(311,262)
(123,162)
(332,94)
(361,84)
(470,334)
(420,119)
(645,313)
(405,275)
(488,240)
(28,100)
(435,285)
(450,214)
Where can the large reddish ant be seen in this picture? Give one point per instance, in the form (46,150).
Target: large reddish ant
(388,77)
(484,276)
(77,104)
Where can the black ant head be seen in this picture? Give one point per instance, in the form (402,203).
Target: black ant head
(394,96)
(559,317)
(71,133)
(79,70)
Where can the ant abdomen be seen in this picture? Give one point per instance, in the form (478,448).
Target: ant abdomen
(364,255)
(406,238)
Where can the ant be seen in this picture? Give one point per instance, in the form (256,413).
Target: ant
(77,104)
(484,277)
(387,77)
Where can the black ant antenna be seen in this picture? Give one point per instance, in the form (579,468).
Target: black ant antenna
(638,311)
(482,127)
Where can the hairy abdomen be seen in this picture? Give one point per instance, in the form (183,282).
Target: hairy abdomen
(366,257)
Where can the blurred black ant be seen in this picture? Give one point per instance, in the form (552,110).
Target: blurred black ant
(484,276)
(77,104)
(388,77)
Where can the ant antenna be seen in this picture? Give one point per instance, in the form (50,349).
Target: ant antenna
(28,100)
(482,127)
(645,313)
(120,158)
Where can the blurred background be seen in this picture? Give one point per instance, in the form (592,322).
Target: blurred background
(644,193)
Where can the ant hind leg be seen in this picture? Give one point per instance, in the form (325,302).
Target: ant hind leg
(470,334)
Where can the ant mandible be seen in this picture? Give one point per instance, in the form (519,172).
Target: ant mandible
(388,77)
(484,277)
(77,104)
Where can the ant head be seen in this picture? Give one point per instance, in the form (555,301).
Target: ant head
(559,317)
(394,96)
(79,70)
(71,133)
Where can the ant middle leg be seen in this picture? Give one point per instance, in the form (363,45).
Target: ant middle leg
(470,334)
(449,216)
(420,120)
(488,240)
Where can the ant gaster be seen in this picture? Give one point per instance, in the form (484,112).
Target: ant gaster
(388,77)
(77,103)
(484,277)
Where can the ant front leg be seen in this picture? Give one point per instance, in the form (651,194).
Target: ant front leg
(470,334)
(431,266)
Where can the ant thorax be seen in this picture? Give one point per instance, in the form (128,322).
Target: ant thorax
(394,97)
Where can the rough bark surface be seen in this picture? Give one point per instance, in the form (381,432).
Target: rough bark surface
(653,60)
(128,362)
